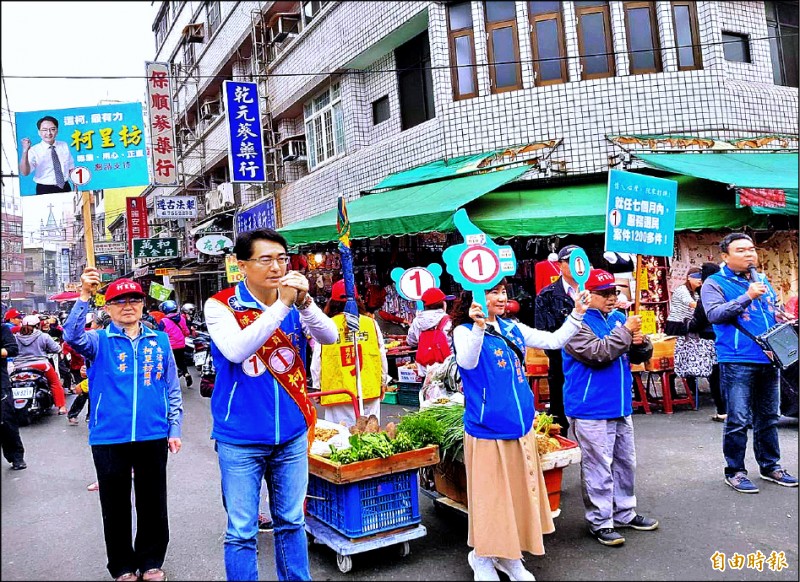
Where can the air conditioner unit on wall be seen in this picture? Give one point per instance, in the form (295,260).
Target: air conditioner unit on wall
(209,109)
(293,150)
(283,25)
(194,32)
(213,201)
(225,194)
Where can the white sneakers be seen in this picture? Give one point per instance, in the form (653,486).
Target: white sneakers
(486,568)
(513,569)
(483,567)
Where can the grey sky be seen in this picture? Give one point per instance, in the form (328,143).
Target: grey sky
(88,39)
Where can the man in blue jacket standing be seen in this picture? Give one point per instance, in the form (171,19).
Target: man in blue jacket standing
(739,307)
(262,414)
(135,419)
(597,401)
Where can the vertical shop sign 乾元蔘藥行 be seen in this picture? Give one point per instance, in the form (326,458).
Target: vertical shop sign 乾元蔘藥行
(162,129)
(245,140)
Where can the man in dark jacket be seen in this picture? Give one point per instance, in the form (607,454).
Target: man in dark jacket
(741,308)
(553,304)
(10,440)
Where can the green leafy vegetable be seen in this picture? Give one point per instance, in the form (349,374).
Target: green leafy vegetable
(449,431)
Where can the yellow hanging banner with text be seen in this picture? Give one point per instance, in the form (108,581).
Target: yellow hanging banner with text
(232,271)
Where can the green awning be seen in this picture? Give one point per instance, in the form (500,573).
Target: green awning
(581,209)
(423,208)
(761,171)
(433,171)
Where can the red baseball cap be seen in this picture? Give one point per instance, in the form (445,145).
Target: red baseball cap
(122,287)
(600,280)
(432,296)
(12,314)
(338,292)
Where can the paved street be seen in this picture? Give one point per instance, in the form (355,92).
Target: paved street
(51,526)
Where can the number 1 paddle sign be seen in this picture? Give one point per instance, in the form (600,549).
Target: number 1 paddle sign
(412,283)
(478,263)
(579,267)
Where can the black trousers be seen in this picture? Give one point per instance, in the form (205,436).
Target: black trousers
(555,381)
(11,443)
(78,404)
(180,360)
(148,460)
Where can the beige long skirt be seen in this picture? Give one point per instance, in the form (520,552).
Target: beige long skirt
(508,507)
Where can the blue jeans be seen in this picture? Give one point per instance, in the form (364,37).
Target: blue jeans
(752,393)
(285,468)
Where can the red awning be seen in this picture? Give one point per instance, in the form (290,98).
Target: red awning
(64,296)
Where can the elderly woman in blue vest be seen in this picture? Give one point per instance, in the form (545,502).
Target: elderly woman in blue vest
(597,402)
(508,507)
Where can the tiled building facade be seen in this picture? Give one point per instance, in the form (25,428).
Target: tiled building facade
(371,86)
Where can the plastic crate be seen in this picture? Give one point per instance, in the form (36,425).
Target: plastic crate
(366,507)
(389,398)
(408,393)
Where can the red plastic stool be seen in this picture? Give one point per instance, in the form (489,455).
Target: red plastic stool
(641,392)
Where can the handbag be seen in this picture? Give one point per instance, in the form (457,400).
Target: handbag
(694,357)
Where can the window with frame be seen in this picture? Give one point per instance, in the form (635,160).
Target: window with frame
(594,39)
(161,30)
(414,81)
(547,42)
(324,123)
(461,37)
(505,73)
(687,35)
(641,26)
(380,110)
(310,10)
(783,29)
(213,16)
(188,53)
(736,47)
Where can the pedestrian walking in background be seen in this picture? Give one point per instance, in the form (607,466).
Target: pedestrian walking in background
(136,419)
(596,359)
(509,511)
(742,308)
(262,415)
(553,305)
(699,324)
(10,441)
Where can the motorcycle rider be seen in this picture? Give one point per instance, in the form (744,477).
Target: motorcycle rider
(34,346)
(174,325)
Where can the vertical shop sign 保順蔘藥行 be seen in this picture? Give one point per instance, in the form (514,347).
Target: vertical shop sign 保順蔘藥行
(162,129)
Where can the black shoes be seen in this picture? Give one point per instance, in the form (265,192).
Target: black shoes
(189,380)
(639,522)
(608,536)
(18,465)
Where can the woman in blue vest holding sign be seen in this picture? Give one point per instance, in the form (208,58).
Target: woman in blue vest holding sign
(508,506)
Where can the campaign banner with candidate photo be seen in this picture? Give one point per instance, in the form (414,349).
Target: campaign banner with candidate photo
(107,141)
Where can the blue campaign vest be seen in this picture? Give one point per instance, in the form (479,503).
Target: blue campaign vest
(598,393)
(498,399)
(732,345)
(128,387)
(251,410)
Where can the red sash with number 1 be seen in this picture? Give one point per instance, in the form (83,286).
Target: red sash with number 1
(282,359)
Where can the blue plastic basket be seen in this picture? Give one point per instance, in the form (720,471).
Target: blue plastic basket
(366,507)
